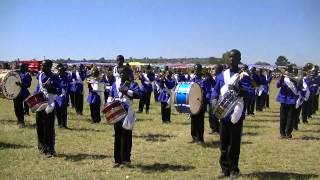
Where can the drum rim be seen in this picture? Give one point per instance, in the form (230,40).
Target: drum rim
(16,74)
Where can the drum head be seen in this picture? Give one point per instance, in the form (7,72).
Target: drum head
(9,87)
(195,98)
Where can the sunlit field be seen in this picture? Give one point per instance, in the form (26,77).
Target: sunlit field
(160,151)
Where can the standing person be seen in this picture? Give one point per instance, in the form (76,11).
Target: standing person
(260,90)
(118,68)
(252,100)
(213,120)
(125,91)
(146,88)
(109,80)
(208,84)
(269,79)
(49,84)
(19,105)
(287,97)
(72,87)
(167,83)
(61,99)
(95,96)
(80,76)
(197,120)
(231,125)
(247,84)
(156,87)
(306,94)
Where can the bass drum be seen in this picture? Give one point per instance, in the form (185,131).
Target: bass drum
(8,84)
(188,98)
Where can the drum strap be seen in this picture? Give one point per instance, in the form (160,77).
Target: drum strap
(79,80)
(291,86)
(306,89)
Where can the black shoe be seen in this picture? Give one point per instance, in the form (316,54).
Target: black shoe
(224,174)
(289,136)
(282,137)
(21,125)
(116,165)
(234,174)
(193,141)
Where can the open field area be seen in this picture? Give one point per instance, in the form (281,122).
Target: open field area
(160,151)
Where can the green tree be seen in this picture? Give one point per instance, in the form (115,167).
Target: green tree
(282,61)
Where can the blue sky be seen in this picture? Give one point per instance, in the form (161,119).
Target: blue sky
(261,29)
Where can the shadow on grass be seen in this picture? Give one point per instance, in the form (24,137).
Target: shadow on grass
(279,175)
(309,138)
(12,146)
(81,156)
(85,130)
(154,137)
(216,144)
(268,120)
(250,134)
(7,121)
(144,119)
(159,167)
(182,123)
(310,130)
(255,126)
(269,115)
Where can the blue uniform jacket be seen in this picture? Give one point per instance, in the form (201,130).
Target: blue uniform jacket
(286,96)
(147,85)
(54,86)
(76,85)
(165,85)
(26,83)
(93,96)
(64,84)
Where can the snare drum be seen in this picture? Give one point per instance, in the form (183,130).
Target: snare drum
(8,84)
(188,98)
(37,102)
(114,112)
(226,104)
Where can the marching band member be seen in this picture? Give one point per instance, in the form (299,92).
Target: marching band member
(181,77)
(156,87)
(314,92)
(146,89)
(124,89)
(247,84)
(61,99)
(167,83)
(306,94)
(252,99)
(208,84)
(109,80)
(267,87)
(260,90)
(72,87)
(118,68)
(18,102)
(197,120)
(287,97)
(49,84)
(81,75)
(231,125)
(213,120)
(95,95)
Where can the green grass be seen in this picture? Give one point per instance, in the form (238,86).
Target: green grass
(160,151)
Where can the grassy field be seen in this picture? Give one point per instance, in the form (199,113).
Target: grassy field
(160,151)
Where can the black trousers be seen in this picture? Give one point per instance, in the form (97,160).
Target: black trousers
(213,120)
(45,131)
(156,95)
(296,119)
(317,101)
(286,118)
(62,113)
(267,98)
(260,102)
(72,98)
(145,100)
(165,112)
(304,111)
(95,112)
(197,125)
(26,108)
(122,143)
(78,102)
(230,141)
(251,105)
(18,109)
